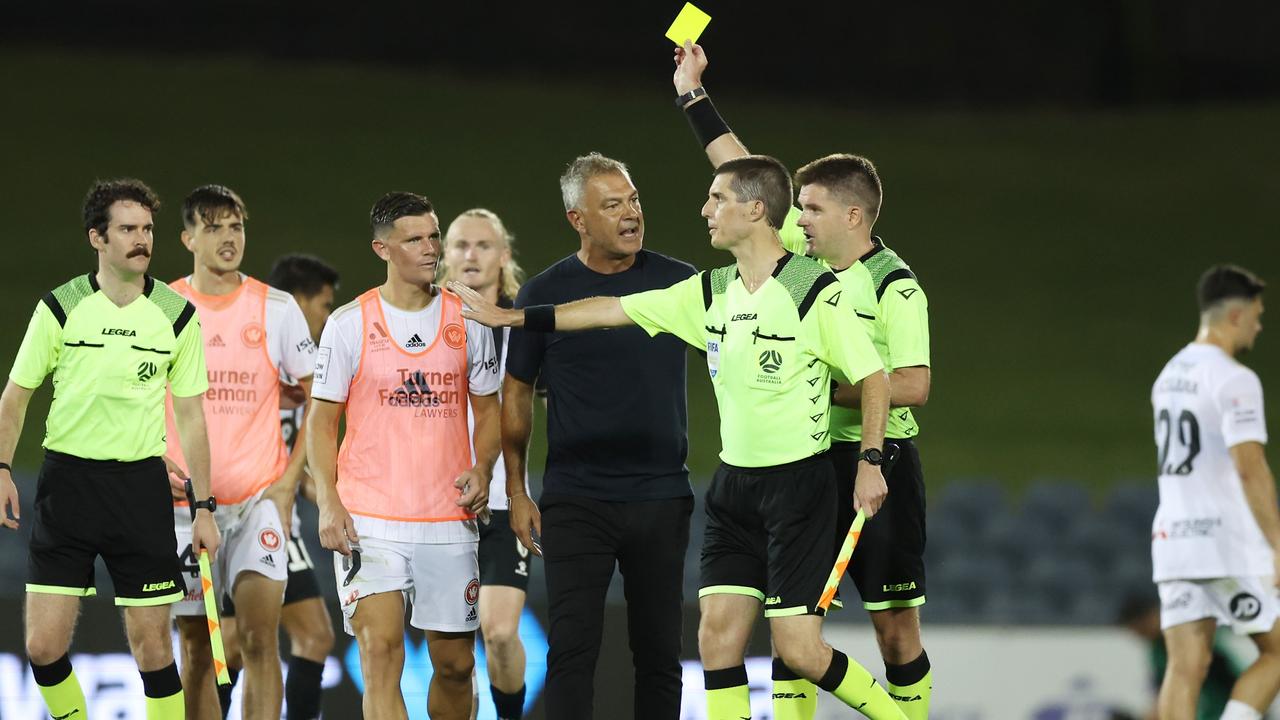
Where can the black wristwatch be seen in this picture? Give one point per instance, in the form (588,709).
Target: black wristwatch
(210,504)
(694,94)
(872,456)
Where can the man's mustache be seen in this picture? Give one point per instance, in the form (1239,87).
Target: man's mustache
(138,251)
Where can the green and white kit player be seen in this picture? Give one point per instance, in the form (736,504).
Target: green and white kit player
(839,202)
(112,340)
(774,325)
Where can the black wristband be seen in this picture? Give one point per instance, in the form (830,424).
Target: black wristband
(706,121)
(540,318)
(6,466)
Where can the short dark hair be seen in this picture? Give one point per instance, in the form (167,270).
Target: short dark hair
(851,177)
(395,205)
(763,178)
(209,202)
(301,274)
(104,193)
(1227,282)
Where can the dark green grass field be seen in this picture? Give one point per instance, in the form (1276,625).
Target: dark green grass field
(1059,249)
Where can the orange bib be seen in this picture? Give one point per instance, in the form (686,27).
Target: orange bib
(407,438)
(242,405)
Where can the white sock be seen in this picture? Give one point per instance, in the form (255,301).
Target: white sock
(1237,710)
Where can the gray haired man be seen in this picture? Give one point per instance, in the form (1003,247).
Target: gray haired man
(615,488)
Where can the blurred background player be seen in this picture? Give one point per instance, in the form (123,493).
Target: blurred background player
(403,364)
(312,282)
(252,333)
(1141,615)
(772,324)
(615,492)
(1216,532)
(478,254)
(839,202)
(113,340)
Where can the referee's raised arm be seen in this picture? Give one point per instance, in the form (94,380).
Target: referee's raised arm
(715,137)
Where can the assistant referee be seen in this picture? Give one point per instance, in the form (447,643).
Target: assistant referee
(774,326)
(839,202)
(113,340)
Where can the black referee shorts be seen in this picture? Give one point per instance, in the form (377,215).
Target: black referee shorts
(888,564)
(122,511)
(769,534)
(503,560)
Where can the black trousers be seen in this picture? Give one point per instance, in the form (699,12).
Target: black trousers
(582,541)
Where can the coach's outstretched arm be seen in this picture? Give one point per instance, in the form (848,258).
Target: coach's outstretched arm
(588,314)
(13,413)
(713,134)
(1250,459)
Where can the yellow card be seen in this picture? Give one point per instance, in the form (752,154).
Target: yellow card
(688,25)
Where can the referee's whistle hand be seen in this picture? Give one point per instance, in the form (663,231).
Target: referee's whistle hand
(869,489)
(8,502)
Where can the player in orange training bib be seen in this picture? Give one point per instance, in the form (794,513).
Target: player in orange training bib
(251,333)
(399,501)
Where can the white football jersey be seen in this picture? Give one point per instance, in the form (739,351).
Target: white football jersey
(498,487)
(1204,403)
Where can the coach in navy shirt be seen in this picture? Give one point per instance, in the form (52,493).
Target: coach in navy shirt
(616,488)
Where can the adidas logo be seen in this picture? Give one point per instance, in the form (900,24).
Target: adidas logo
(217,341)
(471,615)
(268,561)
(414,342)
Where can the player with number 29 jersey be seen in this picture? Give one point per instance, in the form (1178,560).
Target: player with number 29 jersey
(1205,402)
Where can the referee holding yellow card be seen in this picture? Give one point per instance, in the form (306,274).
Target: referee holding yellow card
(774,326)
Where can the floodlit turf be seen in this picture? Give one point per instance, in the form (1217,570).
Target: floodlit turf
(1058,249)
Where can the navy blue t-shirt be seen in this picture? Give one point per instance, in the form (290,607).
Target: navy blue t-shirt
(617,420)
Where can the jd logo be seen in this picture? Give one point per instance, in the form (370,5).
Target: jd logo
(146,371)
(1245,607)
(770,361)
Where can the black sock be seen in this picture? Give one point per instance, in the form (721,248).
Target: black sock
(835,671)
(510,706)
(53,673)
(224,692)
(302,689)
(161,683)
(908,674)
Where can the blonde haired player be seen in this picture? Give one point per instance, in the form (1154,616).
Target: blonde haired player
(399,502)
(1215,535)
(478,254)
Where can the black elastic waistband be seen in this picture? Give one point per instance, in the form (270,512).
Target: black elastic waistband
(784,467)
(106,465)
